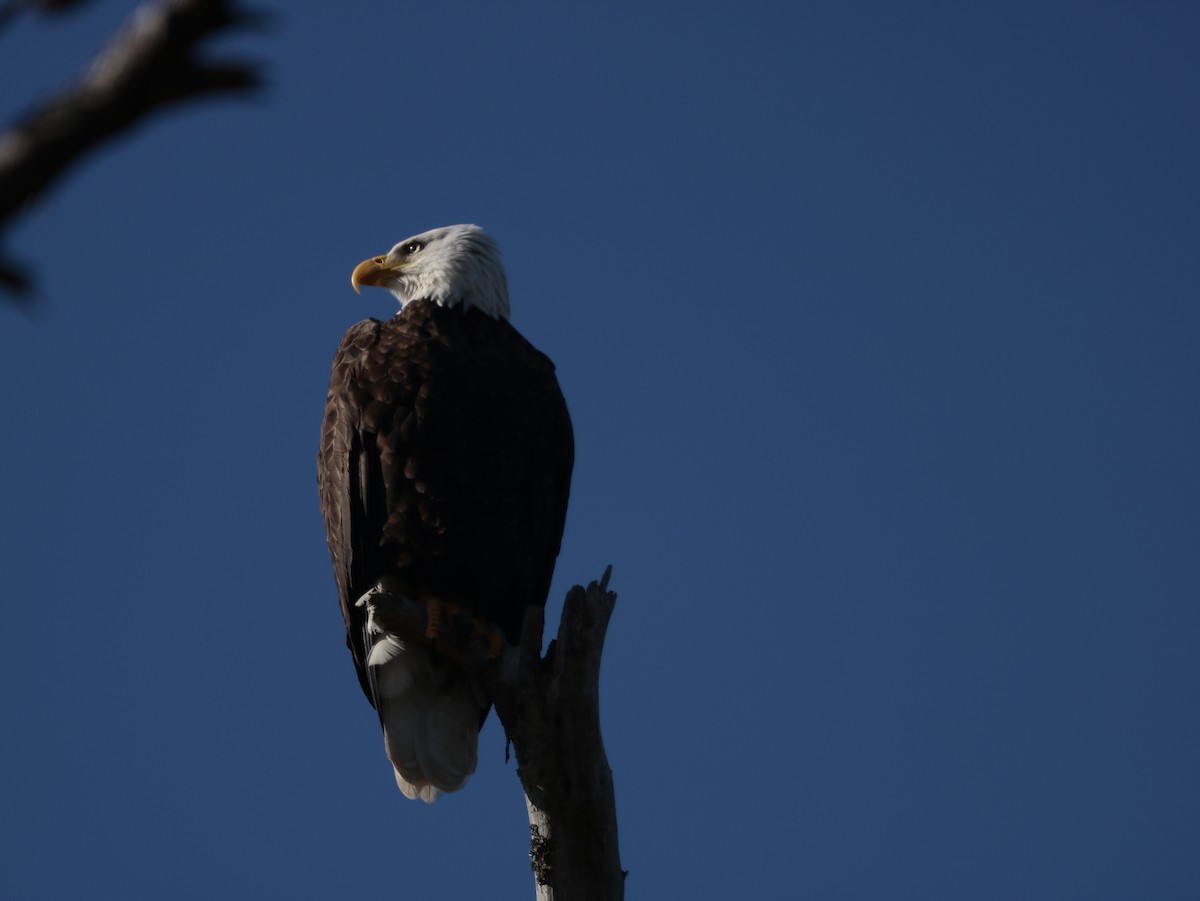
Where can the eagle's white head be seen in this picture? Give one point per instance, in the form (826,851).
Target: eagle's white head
(457,265)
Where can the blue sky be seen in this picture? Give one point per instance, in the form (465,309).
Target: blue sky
(879,327)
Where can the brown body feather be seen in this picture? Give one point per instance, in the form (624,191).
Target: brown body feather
(445,462)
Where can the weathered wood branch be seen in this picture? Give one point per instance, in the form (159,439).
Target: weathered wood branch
(550,709)
(151,64)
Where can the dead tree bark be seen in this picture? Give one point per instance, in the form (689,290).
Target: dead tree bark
(550,708)
(151,64)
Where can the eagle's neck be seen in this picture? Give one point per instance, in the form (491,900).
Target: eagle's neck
(495,307)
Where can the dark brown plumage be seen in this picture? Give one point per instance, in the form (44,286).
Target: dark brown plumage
(445,461)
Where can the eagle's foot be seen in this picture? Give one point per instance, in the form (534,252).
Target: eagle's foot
(443,619)
(434,609)
(490,635)
(495,645)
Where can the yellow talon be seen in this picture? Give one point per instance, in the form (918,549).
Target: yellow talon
(433,619)
(438,612)
(495,643)
(491,637)
(440,615)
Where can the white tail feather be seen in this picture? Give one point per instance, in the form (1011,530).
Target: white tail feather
(430,710)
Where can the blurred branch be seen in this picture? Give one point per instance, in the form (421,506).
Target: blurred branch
(550,708)
(149,65)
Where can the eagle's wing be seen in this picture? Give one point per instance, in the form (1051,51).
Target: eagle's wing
(350,484)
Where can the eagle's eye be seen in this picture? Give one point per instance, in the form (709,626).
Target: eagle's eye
(411,247)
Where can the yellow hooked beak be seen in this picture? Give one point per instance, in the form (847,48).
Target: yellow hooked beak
(375,271)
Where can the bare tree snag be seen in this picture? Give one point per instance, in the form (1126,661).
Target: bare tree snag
(550,708)
(150,64)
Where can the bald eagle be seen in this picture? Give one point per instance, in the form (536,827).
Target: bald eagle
(444,468)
